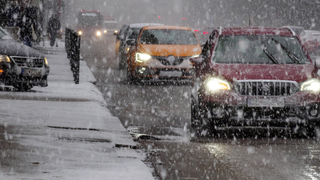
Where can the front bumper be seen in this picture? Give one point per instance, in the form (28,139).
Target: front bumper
(35,76)
(228,107)
(153,69)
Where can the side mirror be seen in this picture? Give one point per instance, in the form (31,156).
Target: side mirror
(121,37)
(196,61)
(131,42)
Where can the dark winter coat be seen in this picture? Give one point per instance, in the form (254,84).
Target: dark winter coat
(53,25)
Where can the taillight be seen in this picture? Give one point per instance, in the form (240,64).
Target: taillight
(196,30)
(205,32)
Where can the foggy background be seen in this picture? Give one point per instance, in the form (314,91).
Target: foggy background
(199,13)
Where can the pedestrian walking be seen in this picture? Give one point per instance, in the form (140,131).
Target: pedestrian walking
(53,28)
(26,29)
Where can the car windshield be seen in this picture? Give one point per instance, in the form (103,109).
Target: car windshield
(168,36)
(89,19)
(259,49)
(110,25)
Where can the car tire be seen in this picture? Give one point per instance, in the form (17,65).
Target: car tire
(23,87)
(200,127)
(313,130)
(121,64)
(129,74)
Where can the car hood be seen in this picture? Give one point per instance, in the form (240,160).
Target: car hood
(13,48)
(290,72)
(166,50)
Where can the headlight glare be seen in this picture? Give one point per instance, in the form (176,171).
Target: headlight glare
(46,62)
(140,57)
(98,33)
(4,58)
(80,33)
(216,84)
(311,85)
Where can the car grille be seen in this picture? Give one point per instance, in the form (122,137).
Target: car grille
(266,88)
(177,60)
(28,61)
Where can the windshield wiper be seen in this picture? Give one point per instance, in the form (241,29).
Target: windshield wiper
(270,56)
(291,55)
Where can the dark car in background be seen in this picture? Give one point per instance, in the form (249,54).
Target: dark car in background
(110,27)
(120,36)
(130,32)
(21,66)
(254,78)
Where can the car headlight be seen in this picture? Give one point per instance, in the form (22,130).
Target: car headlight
(216,84)
(80,33)
(46,62)
(98,33)
(4,58)
(140,57)
(105,31)
(311,85)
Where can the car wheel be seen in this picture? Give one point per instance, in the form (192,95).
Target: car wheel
(23,87)
(121,64)
(129,74)
(313,130)
(200,125)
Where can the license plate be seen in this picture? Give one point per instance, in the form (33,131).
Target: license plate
(265,102)
(171,73)
(30,72)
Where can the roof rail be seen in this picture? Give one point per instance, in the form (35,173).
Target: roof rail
(292,31)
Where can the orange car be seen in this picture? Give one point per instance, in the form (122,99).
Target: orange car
(162,52)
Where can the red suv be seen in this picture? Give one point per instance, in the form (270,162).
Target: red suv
(254,77)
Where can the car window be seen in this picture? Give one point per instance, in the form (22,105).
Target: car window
(256,49)
(168,36)
(133,33)
(110,25)
(89,19)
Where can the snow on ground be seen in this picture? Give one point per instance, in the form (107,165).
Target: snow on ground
(64,131)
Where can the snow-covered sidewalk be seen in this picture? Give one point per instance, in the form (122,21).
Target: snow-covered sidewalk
(64,131)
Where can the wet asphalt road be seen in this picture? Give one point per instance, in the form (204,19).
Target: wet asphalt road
(163,111)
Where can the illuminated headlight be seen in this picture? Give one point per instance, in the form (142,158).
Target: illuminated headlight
(115,31)
(46,62)
(215,84)
(98,33)
(142,57)
(80,33)
(311,85)
(4,58)
(194,56)
(105,31)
